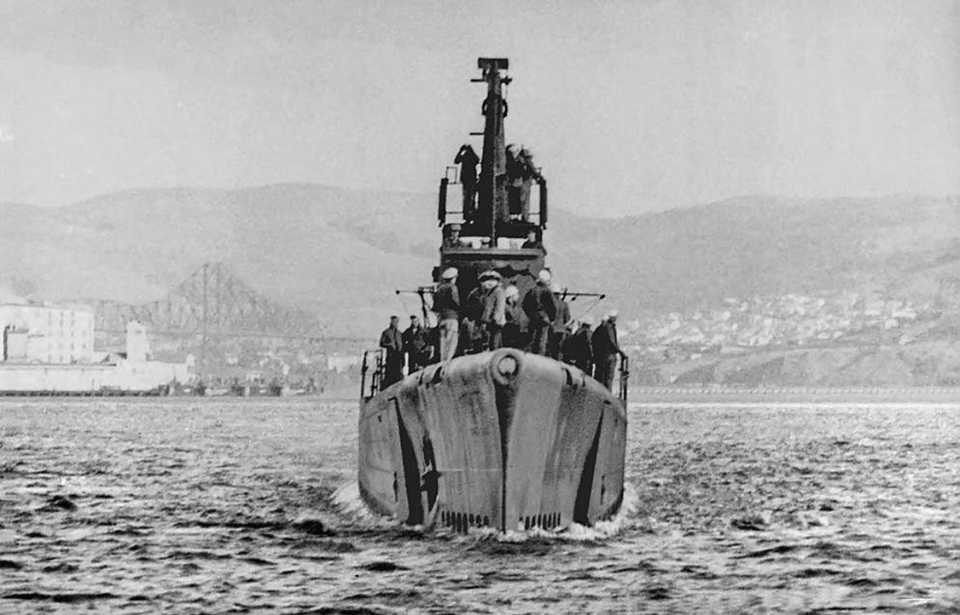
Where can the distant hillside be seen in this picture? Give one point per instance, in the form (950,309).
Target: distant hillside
(341,253)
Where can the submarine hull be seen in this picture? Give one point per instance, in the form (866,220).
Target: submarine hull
(502,439)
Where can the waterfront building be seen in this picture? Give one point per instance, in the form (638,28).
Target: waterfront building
(48,348)
(46,333)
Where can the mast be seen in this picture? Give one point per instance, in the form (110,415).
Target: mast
(492,188)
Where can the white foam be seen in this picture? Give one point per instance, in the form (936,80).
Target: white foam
(608,528)
(624,519)
(348,503)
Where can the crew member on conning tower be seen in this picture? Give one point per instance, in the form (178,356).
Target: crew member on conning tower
(468,161)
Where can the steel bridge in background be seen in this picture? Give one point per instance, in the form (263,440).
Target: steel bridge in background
(213,305)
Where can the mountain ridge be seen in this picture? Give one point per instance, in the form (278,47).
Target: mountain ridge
(340,253)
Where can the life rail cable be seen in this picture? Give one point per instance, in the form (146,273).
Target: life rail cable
(422,292)
(597,298)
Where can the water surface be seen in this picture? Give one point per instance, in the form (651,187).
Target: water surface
(249,505)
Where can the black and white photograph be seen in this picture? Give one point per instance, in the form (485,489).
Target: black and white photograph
(376,307)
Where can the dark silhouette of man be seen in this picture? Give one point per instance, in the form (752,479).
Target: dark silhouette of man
(493,306)
(540,306)
(468,160)
(392,341)
(606,350)
(451,238)
(558,331)
(531,241)
(578,350)
(416,346)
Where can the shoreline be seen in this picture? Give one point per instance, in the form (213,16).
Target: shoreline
(722,394)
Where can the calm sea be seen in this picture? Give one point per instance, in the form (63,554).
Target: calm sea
(236,506)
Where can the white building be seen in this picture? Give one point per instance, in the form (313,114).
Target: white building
(54,334)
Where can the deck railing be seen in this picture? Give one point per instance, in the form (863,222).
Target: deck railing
(372,360)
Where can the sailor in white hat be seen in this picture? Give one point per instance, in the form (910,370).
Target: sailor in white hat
(446,303)
(578,350)
(540,306)
(559,331)
(493,304)
(606,349)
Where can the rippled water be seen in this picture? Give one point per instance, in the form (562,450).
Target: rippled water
(231,505)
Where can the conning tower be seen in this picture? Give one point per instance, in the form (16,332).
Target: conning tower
(502,213)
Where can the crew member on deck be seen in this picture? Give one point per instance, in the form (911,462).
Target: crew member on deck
(471,339)
(416,346)
(392,341)
(578,351)
(493,310)
(515,321)
(540,306)
(446,303)
(605,350)
(558,331)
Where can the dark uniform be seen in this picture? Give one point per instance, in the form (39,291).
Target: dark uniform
(392,341)
(471,336)
(515,328)
(416,345)
(559,329)
(578,349)
(540,306)
(605,352)
(468,160)
(492,315)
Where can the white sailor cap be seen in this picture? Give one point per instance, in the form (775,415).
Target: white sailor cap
(449,273)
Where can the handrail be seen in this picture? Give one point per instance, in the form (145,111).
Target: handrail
(376,377)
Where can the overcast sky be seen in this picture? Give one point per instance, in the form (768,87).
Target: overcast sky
(629,106)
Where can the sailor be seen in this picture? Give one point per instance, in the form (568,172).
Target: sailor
(514,166)
(578,350)
(559,329)
(468,160)
(606,349)
(515,321)
(470,335)
(451,238)
(528,173)
(540,306)
(446,304)
(416,346)
(531,241)
(392,342)
(493,303)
